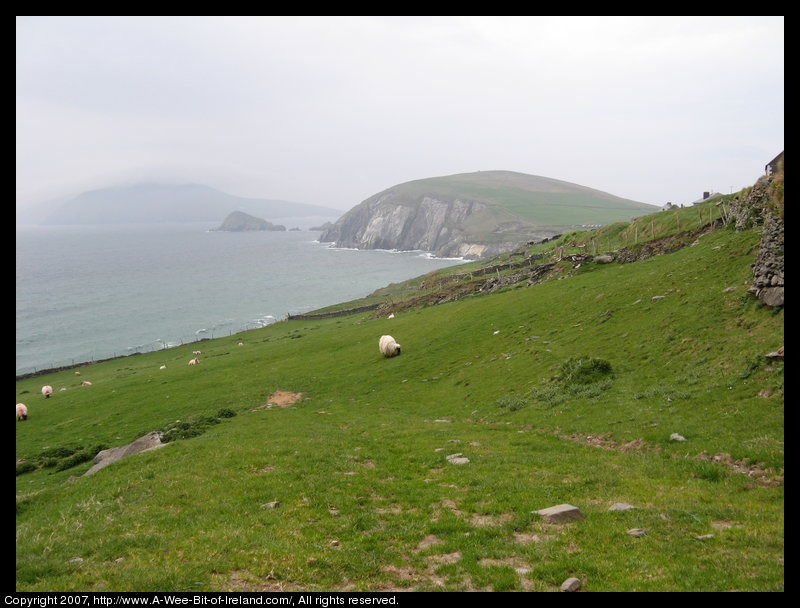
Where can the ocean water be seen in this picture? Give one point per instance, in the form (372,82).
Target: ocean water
(87,293)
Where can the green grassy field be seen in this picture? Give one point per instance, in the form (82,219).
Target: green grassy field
(564,392)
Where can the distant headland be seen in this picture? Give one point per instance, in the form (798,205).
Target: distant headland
(238,221)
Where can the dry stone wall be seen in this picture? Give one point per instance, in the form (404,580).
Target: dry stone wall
(755,209)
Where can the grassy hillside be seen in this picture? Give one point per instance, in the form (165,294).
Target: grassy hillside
(476,214)
(564,392)
(542,201)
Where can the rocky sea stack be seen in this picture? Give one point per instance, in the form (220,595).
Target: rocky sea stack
(240,222)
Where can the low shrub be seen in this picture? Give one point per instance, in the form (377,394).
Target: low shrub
(583,370)
(61,458)
(74,460)
(188,429)
(512,402)
(577,378)
(25,467)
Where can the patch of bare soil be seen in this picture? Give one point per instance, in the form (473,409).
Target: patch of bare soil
(742,466)
(490,520)
(601,442)
(444,558)
(428,541)
(280,399)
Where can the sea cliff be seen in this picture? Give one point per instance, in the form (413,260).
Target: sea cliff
(475,215)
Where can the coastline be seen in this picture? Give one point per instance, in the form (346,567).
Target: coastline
(87,295)
(300,317)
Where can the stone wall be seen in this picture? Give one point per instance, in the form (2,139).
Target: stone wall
(768,283)
(757,208)
(335,313)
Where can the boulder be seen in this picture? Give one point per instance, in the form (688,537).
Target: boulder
(560,514)
(151,441)
(571,584)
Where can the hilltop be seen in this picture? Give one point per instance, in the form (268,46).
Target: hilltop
(476,215)
(151,202)
(630,371)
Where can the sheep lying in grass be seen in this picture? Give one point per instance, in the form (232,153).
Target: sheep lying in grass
(47,391)
(388,346)
(194,361)
(22,411)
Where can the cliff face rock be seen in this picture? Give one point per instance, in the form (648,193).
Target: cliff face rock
(239,222)
(427,223)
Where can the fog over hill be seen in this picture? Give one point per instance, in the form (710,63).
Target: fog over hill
(149,202)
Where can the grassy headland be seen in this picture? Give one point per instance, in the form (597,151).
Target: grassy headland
(567,391)
(476,214)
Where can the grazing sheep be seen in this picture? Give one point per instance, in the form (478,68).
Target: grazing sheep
(391,316)
(86,383)
(194,361)
(47,391)
(196,352)
(22,411)
(388,346)
(163,367)
(77,373)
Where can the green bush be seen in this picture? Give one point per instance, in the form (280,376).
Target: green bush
(187,429)
(577,378)
(583,370)
(59,452)
(512,402)
(25,467)
(74,460)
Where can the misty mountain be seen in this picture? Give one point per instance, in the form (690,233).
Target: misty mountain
(170,203)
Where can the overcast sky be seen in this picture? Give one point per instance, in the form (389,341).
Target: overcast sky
(330,110)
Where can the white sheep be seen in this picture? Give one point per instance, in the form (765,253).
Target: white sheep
(388,346)
(196,352)
(47,391)
(163,367)
(22,411)
(86,383)
(194,361)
